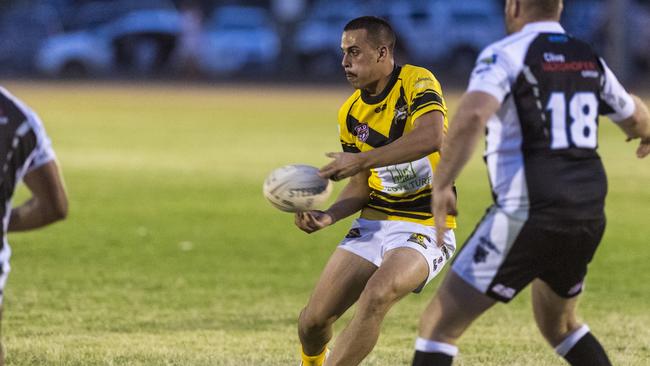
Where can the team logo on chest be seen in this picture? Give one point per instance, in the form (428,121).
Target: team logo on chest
(362,131)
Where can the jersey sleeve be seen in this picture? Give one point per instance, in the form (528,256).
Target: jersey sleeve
(616,102)
(492,74)
(44,152)
(346,137)
(424,94)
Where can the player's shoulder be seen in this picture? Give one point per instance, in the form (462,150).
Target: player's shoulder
(418,77)
(16,108)
(512,48)
(413,72)
(351,100)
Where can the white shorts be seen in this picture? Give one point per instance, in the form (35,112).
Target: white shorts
(371,239)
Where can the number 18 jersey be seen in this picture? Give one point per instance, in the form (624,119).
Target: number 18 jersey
(541,144)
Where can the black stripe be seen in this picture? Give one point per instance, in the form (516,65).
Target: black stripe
(426,97)
(375,139)
(350,148)
(403,214)
(422,204)
(387,195)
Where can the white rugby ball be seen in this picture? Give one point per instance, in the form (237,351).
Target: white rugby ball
(296,187)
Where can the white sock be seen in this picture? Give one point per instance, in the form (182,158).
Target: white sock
(429,346)
(563,348)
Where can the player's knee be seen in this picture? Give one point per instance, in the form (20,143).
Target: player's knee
(378,296)
(556,332)
(314,321)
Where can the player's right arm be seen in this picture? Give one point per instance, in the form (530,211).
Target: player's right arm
(49,202)
(352,198)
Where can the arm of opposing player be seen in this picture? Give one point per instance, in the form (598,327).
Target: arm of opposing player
(467,126)
(638,126)
(49,202)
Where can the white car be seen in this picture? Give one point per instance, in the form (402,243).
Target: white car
(136,38)
(237,37)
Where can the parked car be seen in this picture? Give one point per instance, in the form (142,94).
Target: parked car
(435,31)
(22,30)
(317,40)
(125,40)
(237,38)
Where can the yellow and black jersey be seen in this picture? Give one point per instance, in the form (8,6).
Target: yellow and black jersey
(402,191)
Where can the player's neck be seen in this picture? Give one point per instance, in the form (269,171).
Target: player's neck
(379,86)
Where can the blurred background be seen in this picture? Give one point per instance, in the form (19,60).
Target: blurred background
(280,40)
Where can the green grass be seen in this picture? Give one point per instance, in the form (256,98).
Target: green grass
(171,256)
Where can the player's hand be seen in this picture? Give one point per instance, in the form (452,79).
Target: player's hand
(344,165)
(311,221)
(443,202)
(644,148)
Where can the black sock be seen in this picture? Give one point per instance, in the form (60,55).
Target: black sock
(431,359)
(587,352)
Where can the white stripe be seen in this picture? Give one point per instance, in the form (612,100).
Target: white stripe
(567,344)
(429,346)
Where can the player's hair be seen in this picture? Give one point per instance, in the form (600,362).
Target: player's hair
(544,8)
(379,31)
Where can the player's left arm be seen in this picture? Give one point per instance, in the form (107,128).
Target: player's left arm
(638,126)
(424,139)
(48,204)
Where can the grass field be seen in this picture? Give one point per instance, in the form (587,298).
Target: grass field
(171,256)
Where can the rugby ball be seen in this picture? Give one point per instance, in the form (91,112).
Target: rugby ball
(296,187)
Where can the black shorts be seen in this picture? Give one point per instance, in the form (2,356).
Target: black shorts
(504,254)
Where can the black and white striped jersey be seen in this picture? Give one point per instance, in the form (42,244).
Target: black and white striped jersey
(24,146)
(541,144)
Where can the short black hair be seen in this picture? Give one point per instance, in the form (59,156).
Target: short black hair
(379,31)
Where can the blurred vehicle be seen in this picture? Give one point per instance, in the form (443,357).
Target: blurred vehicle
(589,20)
(317,40)
(122,39)
(22,30)
(237,38)
(436,31)
(452,33)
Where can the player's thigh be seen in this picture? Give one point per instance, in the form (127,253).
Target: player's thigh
(454,307)
(402,271)
(555,315)
(339,286)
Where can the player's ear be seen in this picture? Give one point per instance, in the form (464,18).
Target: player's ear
(382,53)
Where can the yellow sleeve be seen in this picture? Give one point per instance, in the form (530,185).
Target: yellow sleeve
(424,93)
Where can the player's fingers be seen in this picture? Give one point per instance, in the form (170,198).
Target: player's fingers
(643,150)
(328,171)
(333,155)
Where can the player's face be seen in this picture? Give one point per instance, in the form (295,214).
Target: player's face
(360,59)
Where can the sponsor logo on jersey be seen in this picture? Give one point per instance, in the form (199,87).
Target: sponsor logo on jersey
(402,173)
(490,60)
(554,57)
(420,239)
(401,114)
(571,66)
(353,233)
(362,131)
(381,108)
(503,291)
(558,38)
